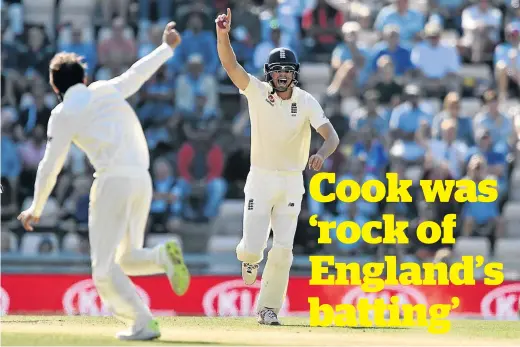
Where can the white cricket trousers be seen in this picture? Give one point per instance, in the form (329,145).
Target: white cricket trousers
(120,201)
(272,201)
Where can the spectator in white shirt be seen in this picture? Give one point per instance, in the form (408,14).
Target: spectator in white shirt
(481,24)
(437,63)
(195,82)
(448,153)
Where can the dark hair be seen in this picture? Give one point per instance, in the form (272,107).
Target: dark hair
(67,70)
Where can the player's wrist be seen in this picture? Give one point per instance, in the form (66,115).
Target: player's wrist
(33,211)
(321,155)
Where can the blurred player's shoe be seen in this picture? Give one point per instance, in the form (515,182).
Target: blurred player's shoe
(268,317)
(149,332)
(249,272)
(176,269)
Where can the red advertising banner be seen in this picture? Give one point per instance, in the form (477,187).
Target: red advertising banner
(228,296)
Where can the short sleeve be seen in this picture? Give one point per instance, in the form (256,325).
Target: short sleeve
(316,114)
(255,88)
(395,120)
(415,56)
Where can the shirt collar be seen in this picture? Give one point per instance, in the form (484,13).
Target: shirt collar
(293,98)
(74,90)
(294,95)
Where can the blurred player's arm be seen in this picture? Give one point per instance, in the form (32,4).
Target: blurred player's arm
(131,81)
(331,138)
(321,123)
(59,138)
(235,71)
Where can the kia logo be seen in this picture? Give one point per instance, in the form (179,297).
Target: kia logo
(4,302)
(406,295)
(502,303)
(234,298)
(82,299)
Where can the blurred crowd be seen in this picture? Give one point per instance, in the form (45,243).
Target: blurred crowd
(427,89)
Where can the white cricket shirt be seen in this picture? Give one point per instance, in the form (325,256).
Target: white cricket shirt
(99,121)
(281,129)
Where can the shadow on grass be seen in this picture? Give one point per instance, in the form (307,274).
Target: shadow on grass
(31,321)
(194,343)
(333,326)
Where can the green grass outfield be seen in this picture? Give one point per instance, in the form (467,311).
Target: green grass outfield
(99,331)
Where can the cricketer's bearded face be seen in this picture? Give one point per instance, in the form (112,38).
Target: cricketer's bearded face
(282,80)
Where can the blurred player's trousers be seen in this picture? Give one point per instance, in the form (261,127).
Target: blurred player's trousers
(272,201)
(119,205)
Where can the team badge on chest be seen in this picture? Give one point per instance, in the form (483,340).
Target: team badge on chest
(270,99)
(294,109)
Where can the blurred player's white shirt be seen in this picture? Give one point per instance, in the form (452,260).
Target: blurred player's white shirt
(99,121)
(281,129)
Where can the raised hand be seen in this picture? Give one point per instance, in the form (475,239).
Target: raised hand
(170,36)
(223,23)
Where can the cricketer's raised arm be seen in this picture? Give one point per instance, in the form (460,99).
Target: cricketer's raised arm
(60,133)
(132,80)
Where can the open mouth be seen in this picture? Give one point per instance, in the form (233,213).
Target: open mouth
(282,81)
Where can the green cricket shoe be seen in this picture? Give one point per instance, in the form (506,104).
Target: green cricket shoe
(176,270)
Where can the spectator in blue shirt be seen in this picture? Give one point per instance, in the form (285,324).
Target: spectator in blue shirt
(351,50)
(391,47)
(82,48)
(405,121)
(166,192)
(410,22)
(506,66)
(481,218)
(371,116)
(452,110)
(11,162)
(500,126)
(158,94)
(370,148)
(195,40)
(496,162)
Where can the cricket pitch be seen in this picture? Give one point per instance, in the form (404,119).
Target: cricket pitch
(100,331)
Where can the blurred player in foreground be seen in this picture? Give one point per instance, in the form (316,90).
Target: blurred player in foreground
(281,118)
(102,123)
